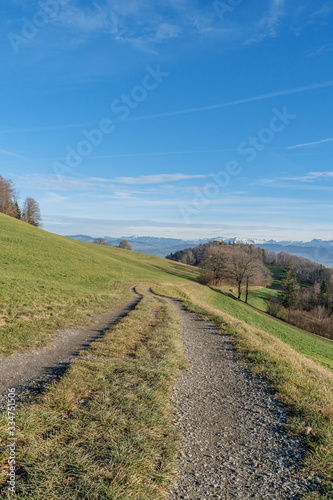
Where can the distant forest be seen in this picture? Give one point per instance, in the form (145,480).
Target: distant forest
(305,297)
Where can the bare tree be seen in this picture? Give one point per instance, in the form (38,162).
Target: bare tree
(237,265)
(100,241)
(31,212)
(246,267)
(215,263)
(7,197)
(125,245)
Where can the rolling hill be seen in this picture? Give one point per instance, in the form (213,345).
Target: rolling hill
(50,282)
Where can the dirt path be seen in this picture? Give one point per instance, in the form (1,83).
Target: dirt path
(29,372)
(234,441)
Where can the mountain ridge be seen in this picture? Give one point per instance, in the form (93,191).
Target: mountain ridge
(318,250)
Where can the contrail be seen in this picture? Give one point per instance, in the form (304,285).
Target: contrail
(12,154)
(310,143)
(235,103)
(261,97)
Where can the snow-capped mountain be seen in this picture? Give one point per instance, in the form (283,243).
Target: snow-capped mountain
(316,250)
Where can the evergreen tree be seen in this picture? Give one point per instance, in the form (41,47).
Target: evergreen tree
(324,295)
(17,210)
(289,285)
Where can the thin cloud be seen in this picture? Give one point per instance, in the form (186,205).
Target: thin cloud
(310,177)
(237,102)
(66,183)
(164,153)
(321,15)
(307,144)
(268,24)
(156,179)
(9,153)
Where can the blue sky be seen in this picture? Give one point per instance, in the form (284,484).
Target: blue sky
(175,118)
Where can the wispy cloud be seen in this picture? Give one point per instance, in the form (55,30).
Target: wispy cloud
(156,179)
(268,24)
(305,182)
(260,97)
(66,183)
(9,153)
(310,177)
(323,49)
(211,107)
(307,144)
(321,15)
(141,23)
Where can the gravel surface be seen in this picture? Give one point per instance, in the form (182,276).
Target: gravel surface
(31,371)
(234,430)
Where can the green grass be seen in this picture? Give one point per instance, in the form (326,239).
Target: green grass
(313,347)
(48,282)
(106,429)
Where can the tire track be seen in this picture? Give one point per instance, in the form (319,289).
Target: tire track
(30,371)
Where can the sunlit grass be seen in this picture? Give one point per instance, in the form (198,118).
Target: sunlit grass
(48,281)
(106,429)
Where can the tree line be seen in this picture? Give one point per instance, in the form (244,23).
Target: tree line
(305,298)
(29,211)
(305,304)
(224,263)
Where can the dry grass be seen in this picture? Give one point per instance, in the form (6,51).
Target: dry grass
(303,385)
(105,430)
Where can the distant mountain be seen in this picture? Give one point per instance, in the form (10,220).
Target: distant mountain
(316,250)
(320,251)
(82,237)
(160,247)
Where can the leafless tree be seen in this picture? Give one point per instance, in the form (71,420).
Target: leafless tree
(31,212)
(237,265)
(215,263)
(7,197)
(100,241)
(125,245)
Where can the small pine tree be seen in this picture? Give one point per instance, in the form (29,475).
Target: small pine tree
(17,211)
(289,285)
(324,295)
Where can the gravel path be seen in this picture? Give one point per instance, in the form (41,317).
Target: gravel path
(234,441)
(30,371)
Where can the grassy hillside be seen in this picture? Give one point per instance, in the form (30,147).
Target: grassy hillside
(48,281)
(314,347)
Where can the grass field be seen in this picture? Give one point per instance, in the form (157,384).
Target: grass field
(106,429)
(48,282)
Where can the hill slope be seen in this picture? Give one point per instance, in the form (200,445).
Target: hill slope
(49,281)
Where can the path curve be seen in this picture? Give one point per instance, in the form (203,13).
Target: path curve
(30,371)
(234,440)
